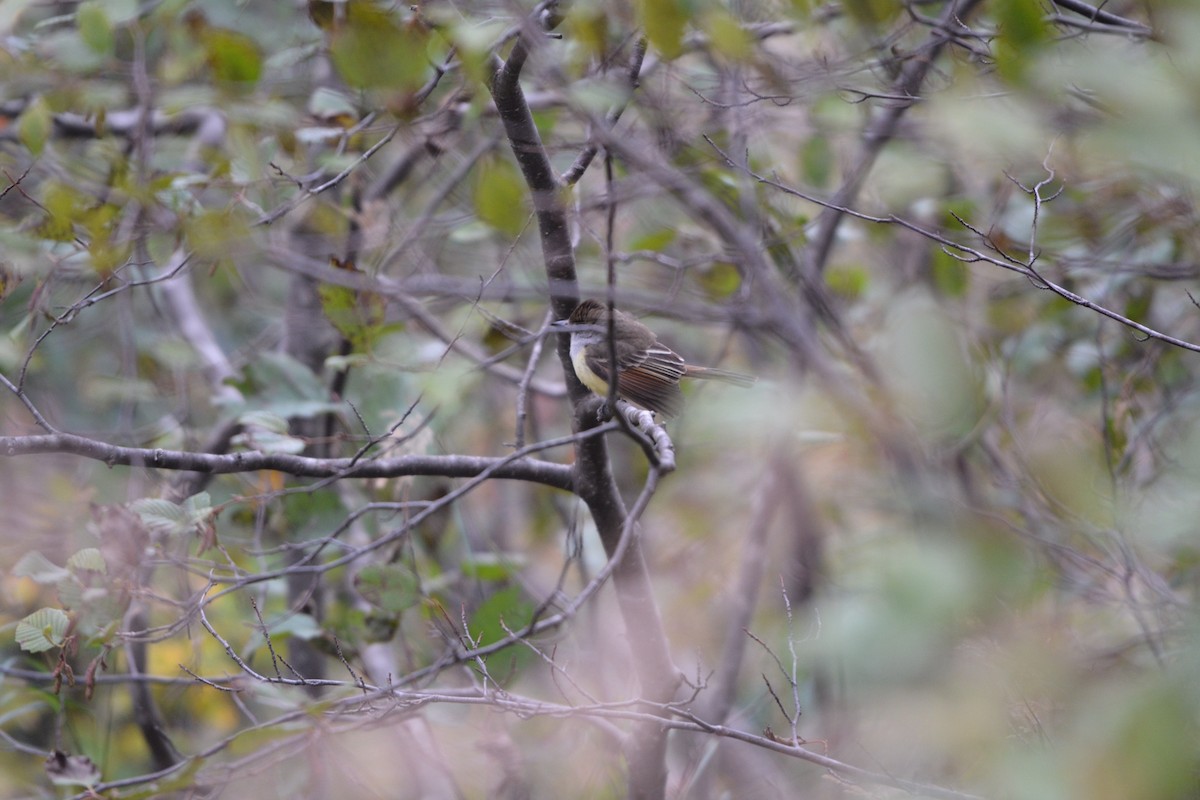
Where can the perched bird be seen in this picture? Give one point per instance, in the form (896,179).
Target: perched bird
(648,372)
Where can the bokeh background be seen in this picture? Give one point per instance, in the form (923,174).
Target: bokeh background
(950,536)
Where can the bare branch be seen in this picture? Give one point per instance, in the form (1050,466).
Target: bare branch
(516,466)
(882,128)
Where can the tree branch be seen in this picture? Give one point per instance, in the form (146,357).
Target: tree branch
(519,467)
(882,129)
(593,476)
(1096,14)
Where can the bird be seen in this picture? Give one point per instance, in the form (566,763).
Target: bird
(648,372)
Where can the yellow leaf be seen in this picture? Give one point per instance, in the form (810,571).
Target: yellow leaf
(664,22)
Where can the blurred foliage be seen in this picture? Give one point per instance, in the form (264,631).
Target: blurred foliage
(980,516)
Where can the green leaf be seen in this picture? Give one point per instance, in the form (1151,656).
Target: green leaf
(727,36)
(268,442)
(313,513)
(297,626)
(119,11)
(265,420)
(171,519)
(340,305)
(359,316)
(597,96)
(267,432)
(391,587)
(500,196)
(802,9)
(198,507)
(233,56)
(213,235)
(1021,23)
(33,128)
(99,222)
(1137,308)
(99,608)
(587,23)
(71,592)
(475,42)
(655,240)
(42,630)
(720,279)
(471,232)
(347,362)
(379,627)
(36,566)
(508,606)
(372,51)
(160,516)
(330,104)
(491,566)
(95,28)
(848,281)
(816,160)
(950,275)
(872,13)
(281,385)
(280,375)
(1022,29)
(664,22)
(87,560)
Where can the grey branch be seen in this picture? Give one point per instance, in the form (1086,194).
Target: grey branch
(456,466)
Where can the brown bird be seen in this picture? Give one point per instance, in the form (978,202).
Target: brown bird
(648,372)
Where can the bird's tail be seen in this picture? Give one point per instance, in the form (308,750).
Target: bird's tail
(710,373)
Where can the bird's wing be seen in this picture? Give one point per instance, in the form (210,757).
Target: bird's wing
(649,377)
